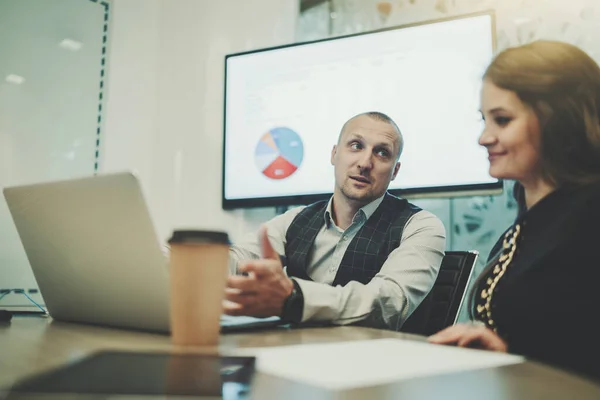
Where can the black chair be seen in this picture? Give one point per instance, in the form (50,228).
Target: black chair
(441,306)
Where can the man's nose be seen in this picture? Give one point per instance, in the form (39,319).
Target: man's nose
(366,160)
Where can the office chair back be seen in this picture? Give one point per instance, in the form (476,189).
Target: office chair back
(440,308)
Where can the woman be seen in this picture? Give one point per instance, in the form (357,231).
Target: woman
(539,295)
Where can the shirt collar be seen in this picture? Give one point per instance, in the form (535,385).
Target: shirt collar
(367,210)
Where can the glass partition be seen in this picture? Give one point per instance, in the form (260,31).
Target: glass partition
(52,80)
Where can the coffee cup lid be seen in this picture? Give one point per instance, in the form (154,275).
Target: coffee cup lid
(196,236)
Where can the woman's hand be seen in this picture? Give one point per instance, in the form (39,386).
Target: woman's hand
(473,336)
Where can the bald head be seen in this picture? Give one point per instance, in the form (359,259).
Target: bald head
(381,117)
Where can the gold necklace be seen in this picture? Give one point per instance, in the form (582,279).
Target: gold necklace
(509,246)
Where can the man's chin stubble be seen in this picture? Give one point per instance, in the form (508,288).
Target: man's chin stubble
(364,197)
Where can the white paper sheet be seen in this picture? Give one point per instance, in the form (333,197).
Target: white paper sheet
(348,365)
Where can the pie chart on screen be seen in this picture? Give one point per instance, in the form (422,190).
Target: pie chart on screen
(279,153)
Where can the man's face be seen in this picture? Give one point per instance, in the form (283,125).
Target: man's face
(365,160)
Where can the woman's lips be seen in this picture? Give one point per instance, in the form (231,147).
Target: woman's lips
(494,156)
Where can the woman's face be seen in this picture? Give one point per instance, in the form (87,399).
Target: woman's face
(511,135)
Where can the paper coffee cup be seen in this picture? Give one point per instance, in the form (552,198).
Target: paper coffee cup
(198,275)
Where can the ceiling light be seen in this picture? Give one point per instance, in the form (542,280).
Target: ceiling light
(71,45)
(14,79)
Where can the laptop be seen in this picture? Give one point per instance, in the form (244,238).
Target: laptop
(95,254)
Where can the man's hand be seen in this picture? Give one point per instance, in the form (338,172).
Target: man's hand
(263,291)
(462,335)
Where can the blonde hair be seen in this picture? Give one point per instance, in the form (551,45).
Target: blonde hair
(561,83)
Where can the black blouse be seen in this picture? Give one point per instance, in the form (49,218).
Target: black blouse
(542,294)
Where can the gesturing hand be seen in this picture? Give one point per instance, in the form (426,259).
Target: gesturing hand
(473,336)
(263,291)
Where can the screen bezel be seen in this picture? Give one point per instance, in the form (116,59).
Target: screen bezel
(490,188)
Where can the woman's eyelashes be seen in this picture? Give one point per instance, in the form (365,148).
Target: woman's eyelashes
(502,120)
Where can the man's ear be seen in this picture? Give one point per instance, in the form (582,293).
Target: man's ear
(333,153)
(396,169)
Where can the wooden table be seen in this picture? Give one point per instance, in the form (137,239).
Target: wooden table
(34,344)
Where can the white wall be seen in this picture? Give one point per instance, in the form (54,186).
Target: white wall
(165,100)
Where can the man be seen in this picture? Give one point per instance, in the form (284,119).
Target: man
(363,256)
